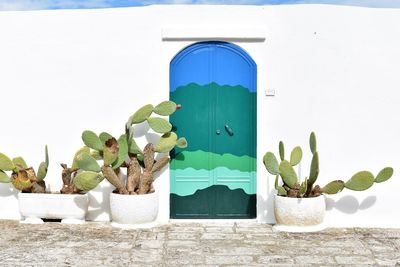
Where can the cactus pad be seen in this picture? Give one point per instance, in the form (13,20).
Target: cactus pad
(141,115)
(133,147)
(20,180)
(271,163)
(333,187)
(104,137)
(360,181)
(42,172)
(20,163)
(313,143)
(84,149)
(87,163)
(110,151)
(86,181)
(314,169)
(91,140)
(166,143)
(281,191)
(181,142)
(122,152)
(159,125)
(295,156)
(281,150)
(384,175)
(4,178)
(6,164)
(165,108)
(288,174)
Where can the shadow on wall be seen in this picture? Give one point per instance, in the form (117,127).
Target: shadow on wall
(349,204)
(9,202)
(99,202)
(7,190)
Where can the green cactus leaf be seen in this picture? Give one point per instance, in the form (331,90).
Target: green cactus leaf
(277,181)
(96,154)
(181,142)
(288,174)
(271,163)
(133,147)
(87,163)
(4,178)
(46,154)
(20,163)
(281,150)
(314,169)
(313,143)
(295,156)
(384,175)
(159,125)
(140,157)
(42,172)
(360,181)
(165,108)
(84,149)
(104,137)
(281,191)
(88,180)
(6,163)
(110,151)
(91,140)
(122,153)
(141,114)
(166,143)
(333,187)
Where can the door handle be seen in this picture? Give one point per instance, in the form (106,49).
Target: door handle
(228,129)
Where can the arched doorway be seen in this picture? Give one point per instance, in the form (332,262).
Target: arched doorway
(215,176)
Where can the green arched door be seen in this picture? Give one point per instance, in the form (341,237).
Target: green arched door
(215,176)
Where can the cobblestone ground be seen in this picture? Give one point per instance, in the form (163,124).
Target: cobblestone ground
(185,244)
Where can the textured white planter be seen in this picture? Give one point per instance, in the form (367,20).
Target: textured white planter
(299,214)
(134,211)
(69,208)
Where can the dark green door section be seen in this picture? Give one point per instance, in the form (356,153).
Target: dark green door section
(215,176)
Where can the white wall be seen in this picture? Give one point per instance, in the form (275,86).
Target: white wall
(334,70)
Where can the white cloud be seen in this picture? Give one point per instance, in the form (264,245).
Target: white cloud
(364,3)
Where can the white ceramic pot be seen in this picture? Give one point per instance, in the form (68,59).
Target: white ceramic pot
(140,210)
(69,208)
(299,214)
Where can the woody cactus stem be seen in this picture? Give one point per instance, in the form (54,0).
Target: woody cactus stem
(112,177)
(66,175)
(134,172)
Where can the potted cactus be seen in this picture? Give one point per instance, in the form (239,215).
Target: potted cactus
(300,205)
(68,206)
(134,200)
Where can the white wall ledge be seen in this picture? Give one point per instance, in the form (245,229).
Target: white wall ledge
(244,34)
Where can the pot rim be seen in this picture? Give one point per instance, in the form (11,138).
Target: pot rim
(138,196)
(301,198)
(52,195)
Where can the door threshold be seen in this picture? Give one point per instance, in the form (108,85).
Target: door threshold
(215,221)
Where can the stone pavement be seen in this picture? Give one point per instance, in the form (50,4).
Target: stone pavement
(201,244)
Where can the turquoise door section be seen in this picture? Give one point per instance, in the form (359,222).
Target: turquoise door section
(215,176)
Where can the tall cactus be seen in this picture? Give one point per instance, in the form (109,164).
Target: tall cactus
(290,182)
(125,153)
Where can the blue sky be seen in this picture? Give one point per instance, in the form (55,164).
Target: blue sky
(78,4)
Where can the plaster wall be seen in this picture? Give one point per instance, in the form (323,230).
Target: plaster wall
(334,71)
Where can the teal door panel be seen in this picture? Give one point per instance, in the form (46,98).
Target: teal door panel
(215,176)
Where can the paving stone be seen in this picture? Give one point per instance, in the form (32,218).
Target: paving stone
(193,244)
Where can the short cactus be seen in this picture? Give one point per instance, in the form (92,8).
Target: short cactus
(291,186)
(22,177)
